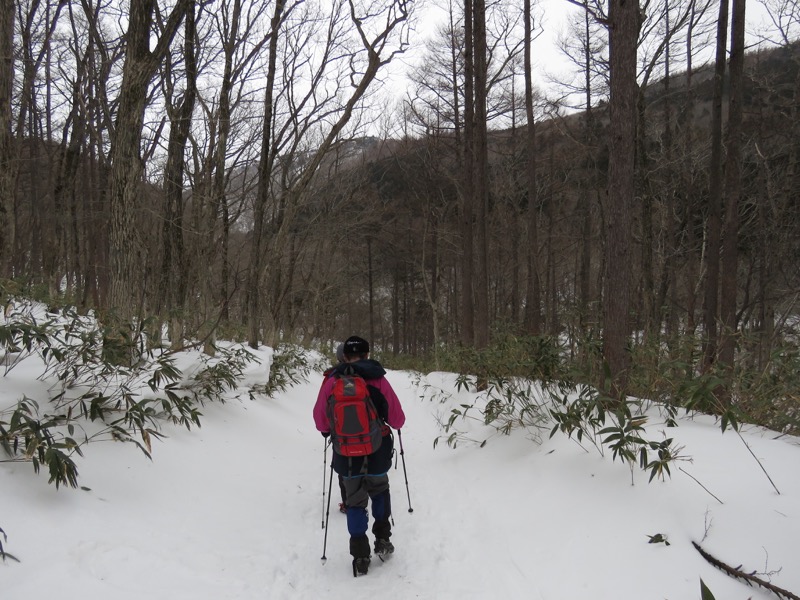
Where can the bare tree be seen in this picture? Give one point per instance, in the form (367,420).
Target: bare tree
(265,167)
(624,21)
(379,34)
(779,163)
(480,175)
(67,168)
(446,103)
(7,166)
(467,197)
(659,30)
(533,300)
(586,46)
(180,109)
(237,27)
(729,262)
(101,52)
(127,251)
(714,222)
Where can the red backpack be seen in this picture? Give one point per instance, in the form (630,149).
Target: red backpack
(355,424)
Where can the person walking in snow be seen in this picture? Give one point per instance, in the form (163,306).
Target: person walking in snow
(365,478)
(325,375)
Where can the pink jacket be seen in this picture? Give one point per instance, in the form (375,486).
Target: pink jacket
(373,374)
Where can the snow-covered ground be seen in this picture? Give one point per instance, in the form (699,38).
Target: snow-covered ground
(234,510)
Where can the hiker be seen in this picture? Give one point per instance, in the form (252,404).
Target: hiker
(325,374)
(365,478)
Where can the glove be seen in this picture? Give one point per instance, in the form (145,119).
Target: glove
(325,434)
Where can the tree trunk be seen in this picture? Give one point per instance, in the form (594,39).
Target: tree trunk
(467,206)
(371,289)
(533,301)
(396,316)
(218,192)
(665,308)
(714,224)
(480,185)
(7,162)
(624,23)
(264,178)
(174,267)
(128,255)
(733,169)
(688,194)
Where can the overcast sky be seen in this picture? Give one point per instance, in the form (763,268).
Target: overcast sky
(553,16)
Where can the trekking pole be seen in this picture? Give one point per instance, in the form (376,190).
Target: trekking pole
(327,518)
(324,468)
(405,473)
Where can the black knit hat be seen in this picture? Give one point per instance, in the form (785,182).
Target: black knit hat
(355,346)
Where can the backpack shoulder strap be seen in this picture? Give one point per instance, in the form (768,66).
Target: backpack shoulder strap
(379,402)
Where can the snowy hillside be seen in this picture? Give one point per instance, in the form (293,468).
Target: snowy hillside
(234,510)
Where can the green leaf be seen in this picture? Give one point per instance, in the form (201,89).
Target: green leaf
(643,458)
(705,593)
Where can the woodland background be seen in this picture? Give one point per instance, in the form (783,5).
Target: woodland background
(235,170)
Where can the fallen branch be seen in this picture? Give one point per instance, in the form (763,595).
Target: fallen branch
(701,485)
(749,578)
(760,464)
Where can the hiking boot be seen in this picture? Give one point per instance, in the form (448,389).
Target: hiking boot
(342,507)
(360,566)
(383,548)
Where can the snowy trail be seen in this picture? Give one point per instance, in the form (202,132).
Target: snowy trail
(233,510)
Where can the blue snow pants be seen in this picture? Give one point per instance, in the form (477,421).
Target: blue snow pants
(360,489)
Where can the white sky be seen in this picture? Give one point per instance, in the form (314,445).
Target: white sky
(553,17)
